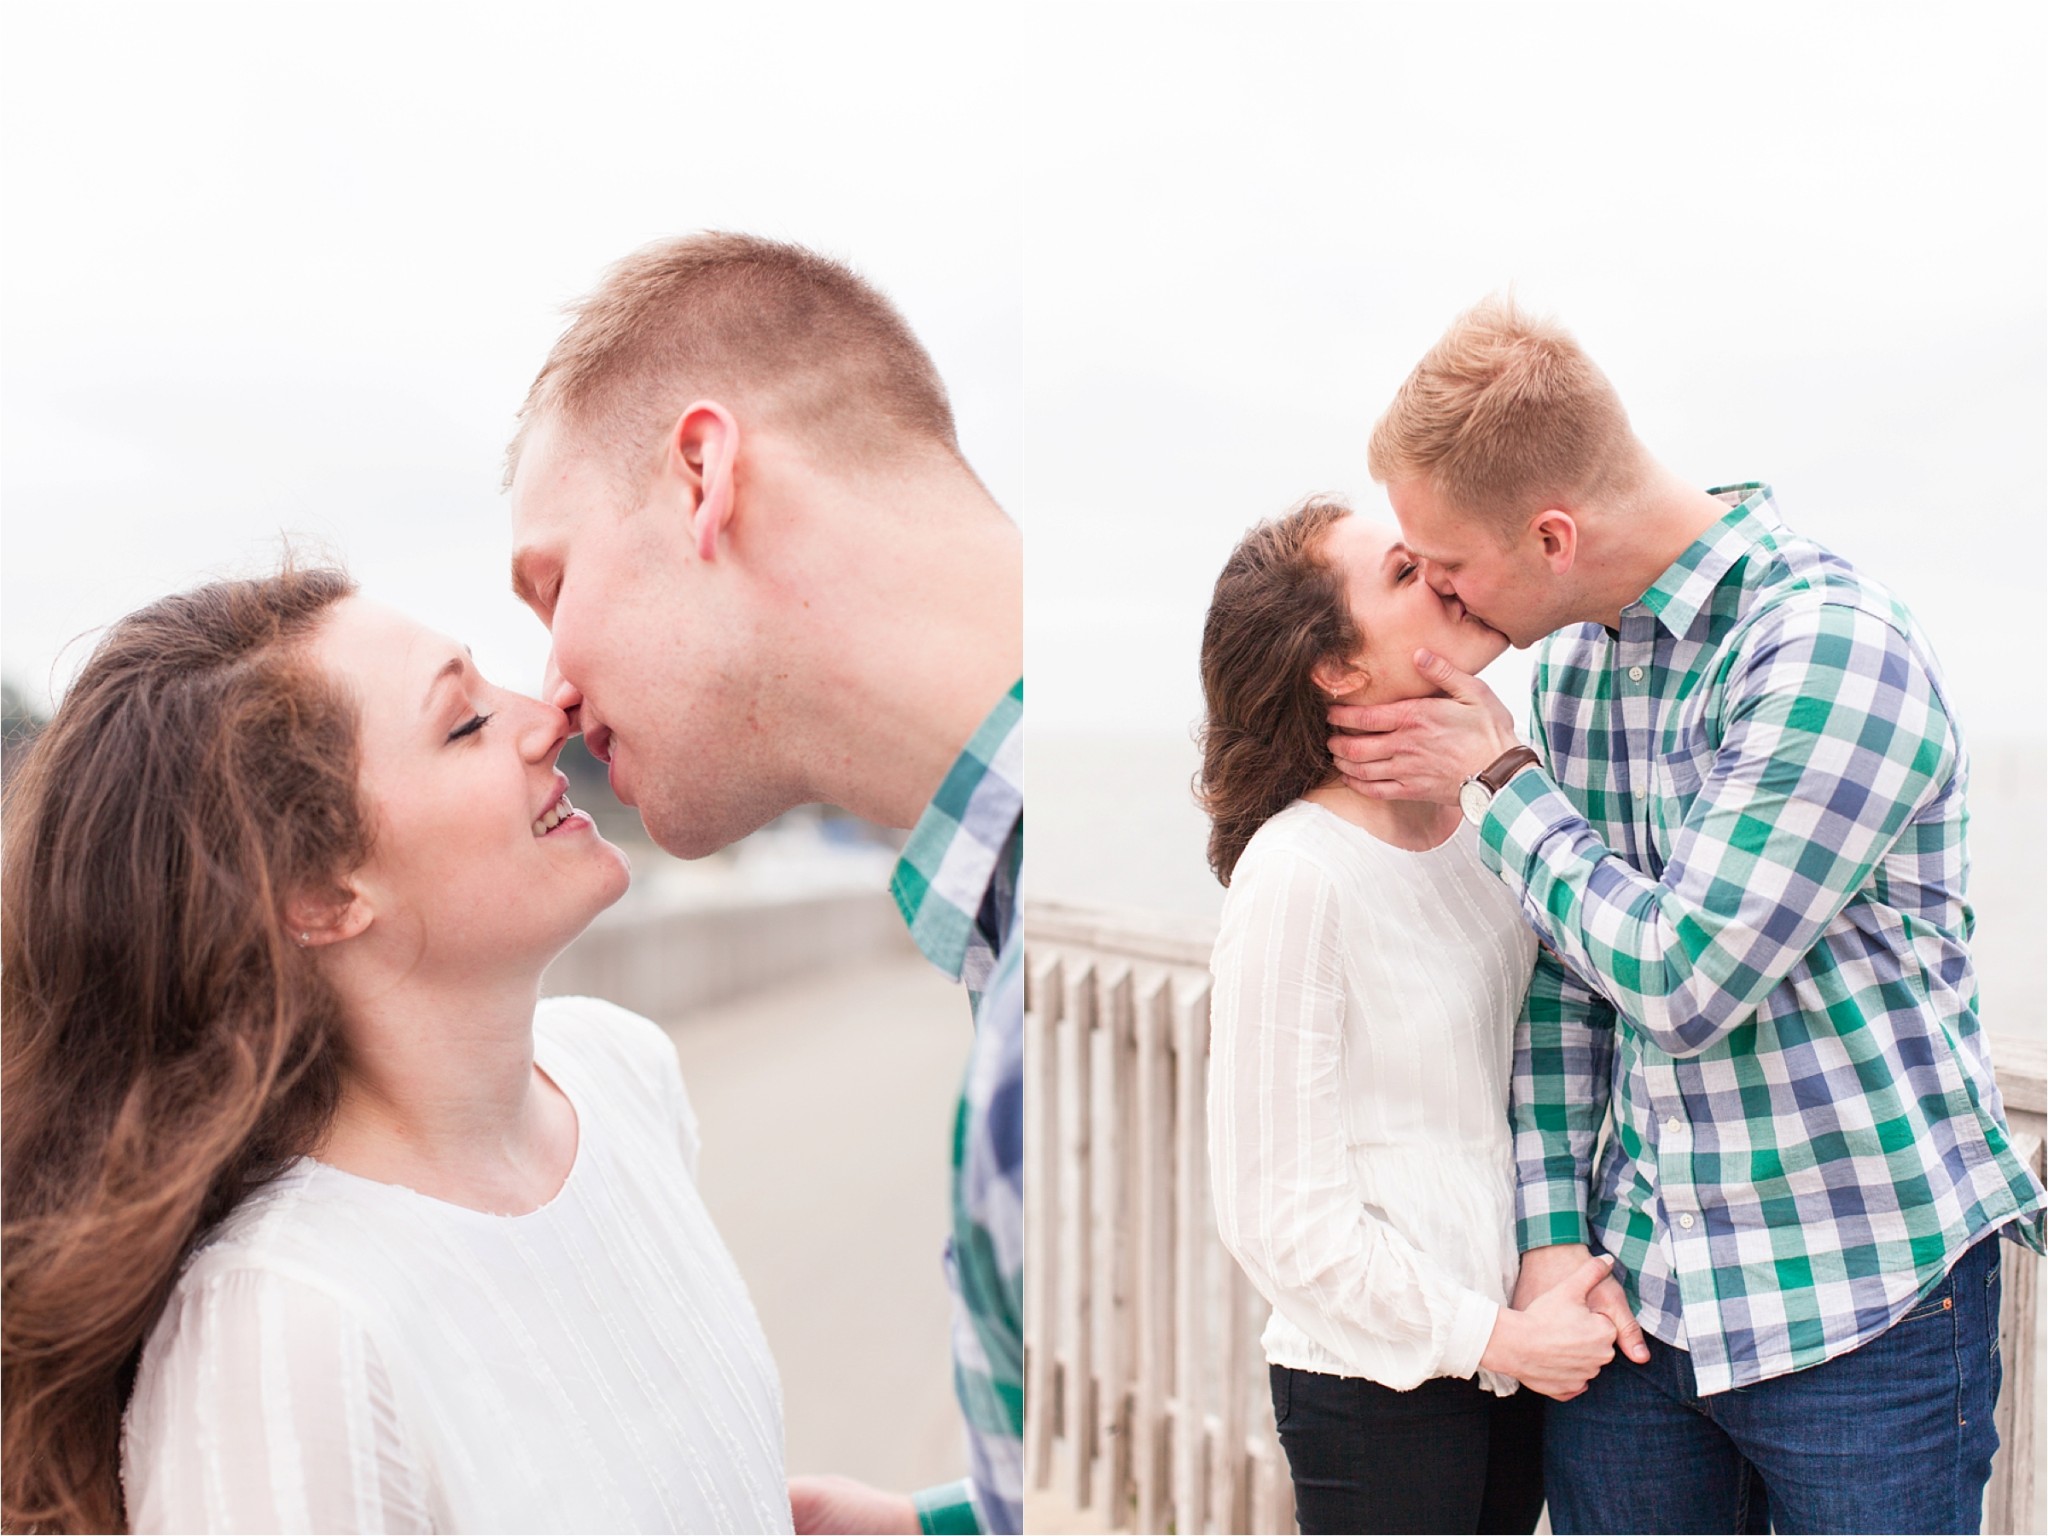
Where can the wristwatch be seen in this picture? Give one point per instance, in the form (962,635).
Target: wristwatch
(1477,792)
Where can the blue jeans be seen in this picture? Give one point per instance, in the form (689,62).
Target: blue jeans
(1894,1436)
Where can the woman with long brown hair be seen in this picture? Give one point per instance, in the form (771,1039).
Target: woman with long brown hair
(1368,973)
(316,1217)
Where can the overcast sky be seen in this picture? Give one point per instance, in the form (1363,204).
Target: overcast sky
(1806,243)
(291,267)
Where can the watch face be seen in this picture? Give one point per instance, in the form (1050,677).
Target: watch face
(1473,799)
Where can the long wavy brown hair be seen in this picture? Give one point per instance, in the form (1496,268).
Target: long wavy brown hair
(167,1046)
(1279,609)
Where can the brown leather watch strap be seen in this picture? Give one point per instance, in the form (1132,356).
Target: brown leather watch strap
(1511,762)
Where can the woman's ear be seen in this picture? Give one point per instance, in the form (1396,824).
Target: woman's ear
(1338,677)
(317,919)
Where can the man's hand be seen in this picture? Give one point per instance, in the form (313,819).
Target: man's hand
(1422,749)
(839,1504)
(1557,1343)
(1544,1269)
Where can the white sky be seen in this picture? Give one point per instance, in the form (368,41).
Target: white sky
(1806,242)
(291,267)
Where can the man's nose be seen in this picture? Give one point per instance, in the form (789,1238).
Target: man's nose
(1439,581)
(564,695)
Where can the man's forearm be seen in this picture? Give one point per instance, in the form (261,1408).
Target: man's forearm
(1563,1065)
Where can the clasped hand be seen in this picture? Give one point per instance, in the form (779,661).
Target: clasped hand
(1422,749)
(1569,1315)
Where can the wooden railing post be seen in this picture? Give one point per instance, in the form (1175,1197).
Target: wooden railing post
(1146,1403)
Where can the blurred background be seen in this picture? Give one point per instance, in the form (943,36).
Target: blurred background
(286,272)
(1806,243)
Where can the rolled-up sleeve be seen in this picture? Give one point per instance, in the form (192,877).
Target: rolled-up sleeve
(1831,737)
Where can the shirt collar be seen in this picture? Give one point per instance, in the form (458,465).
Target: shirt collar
(954,850)
(1679,595)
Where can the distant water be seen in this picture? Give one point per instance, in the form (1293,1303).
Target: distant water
(1112,823)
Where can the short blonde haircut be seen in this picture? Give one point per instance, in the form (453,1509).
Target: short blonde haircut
(1504,414)
(792,335)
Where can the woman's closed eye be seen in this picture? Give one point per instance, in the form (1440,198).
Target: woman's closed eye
(1408,568)
(469,727)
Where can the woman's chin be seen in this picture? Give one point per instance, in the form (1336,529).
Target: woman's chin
(1480,646)
(616,883)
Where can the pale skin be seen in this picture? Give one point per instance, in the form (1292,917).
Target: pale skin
(1573,561)
(437,943)
(1550,1338)
(762,621)
(758,625)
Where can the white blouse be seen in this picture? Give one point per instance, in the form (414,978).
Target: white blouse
(1361,1027)
(347,1355)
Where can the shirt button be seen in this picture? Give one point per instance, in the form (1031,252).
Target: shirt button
(1673,1126)
(1635,674)
(1642,791)
(1685,1221)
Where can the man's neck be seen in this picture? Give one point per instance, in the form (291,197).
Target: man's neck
(1641,537)
(914,631)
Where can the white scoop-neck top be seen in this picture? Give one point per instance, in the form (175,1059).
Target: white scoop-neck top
(347,1355)
(1361,1025)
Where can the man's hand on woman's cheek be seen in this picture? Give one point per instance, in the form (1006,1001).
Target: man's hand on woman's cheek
(1422,749)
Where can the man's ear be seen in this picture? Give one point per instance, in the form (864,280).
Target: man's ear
(1556,533)
(319,918)
(703,448)
(1338,677)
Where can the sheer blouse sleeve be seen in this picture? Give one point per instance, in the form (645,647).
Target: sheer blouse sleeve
(1286,1205)
(263,1405)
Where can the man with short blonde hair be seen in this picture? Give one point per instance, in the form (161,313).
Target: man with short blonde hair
(771,579)
(1740,836)
(802,339)
(1504,414)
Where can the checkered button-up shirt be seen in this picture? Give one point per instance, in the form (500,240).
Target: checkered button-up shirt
(1745,857)
(957,887)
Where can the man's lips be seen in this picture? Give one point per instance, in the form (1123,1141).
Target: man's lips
(615,775)
(597,740)
(1467,616)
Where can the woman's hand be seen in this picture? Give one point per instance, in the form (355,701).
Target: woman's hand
(1557,1343)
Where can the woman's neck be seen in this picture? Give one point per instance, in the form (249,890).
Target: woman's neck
(1416,825)
(440,1094)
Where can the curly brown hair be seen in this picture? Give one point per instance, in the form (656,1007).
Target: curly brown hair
(1279,610)
(166,1046)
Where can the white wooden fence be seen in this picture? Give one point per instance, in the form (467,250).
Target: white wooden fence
(1146,1405)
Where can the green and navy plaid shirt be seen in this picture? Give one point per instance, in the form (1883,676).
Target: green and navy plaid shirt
(957,887)
(1746,860)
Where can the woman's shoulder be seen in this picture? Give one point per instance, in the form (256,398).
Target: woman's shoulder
(627,1062)
(1301,841)
(615,1041)
(293,1257)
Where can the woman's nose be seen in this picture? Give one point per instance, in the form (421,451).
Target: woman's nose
(543,729)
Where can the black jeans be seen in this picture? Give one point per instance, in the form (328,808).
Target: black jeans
(1449,1456)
